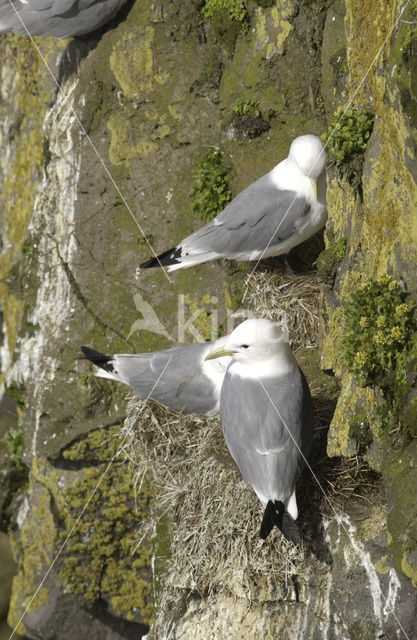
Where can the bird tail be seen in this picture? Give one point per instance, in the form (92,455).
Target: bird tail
(165,259)
(105,363)
(180,258)
(275,514)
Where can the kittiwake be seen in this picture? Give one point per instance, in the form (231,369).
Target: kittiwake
(268,218)
(178,378)
(59,18)
(267,418)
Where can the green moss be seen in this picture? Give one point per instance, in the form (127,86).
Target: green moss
(15,447)
(320,104)
(409,34)
(248,120)
(379,345)
(243,107)
(359,429)
(330,259)
(409,419)
(17,393)
(348,133)
(210,191)
(235,9)
(347,433)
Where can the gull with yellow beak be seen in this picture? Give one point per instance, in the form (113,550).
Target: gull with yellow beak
(269,218)
(267,418)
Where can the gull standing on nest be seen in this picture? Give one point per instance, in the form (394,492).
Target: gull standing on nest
(271,216)
(267,418)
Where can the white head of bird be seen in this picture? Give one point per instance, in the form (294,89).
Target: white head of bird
(257,341)
(309,155)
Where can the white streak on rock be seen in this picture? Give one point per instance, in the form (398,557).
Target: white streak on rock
(393,588)
(53,223)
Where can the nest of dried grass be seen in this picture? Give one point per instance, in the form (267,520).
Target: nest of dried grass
(292,301)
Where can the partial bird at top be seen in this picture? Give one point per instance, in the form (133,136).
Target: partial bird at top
(270,217)
(59,18)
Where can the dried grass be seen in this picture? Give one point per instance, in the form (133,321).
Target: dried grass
(214,517)
(292,301)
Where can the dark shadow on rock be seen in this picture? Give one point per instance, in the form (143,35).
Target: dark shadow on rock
(310,507)
(328,487)
(301,260)
(125,628)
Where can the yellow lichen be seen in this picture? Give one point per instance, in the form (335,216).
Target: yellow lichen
(34,553)
(117,567)
(272,28)
(101,557)
(352,400)
(379,224)
(128,141)
(382,565)
(409,569)
(132,61)
(31,90)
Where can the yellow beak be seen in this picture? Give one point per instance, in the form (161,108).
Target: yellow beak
(219,353)
(314,185)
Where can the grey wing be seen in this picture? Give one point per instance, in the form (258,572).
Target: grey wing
(268,437)
(259,216)
(60,18)
(56,7)
(174,377)
(60,7)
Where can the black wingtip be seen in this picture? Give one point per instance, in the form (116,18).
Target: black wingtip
(276,515)
(164,259)
(99,359)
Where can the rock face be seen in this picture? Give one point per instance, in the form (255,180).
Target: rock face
(90,185)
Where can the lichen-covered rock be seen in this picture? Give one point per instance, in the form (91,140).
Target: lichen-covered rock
(371,203)
(78,525)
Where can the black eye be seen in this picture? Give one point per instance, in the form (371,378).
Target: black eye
(245,346)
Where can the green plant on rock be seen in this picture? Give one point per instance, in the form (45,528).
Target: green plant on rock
(15,446)
(379,344)
(348,133)
(245,107)
(210,191)
(410,30)
(330,259)
(236,10)
(247,120)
